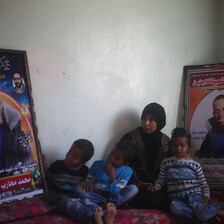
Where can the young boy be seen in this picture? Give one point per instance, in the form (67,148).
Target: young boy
(187,188)
(106,183)
(64,175)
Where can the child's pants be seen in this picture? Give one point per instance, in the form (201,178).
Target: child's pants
(76,208)
(83,206)
(192,208)
(103,197)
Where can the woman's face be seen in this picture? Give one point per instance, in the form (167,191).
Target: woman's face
(148,124)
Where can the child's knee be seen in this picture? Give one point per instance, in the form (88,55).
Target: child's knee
(175,208)
(79,192)
(205,212)
(133,189)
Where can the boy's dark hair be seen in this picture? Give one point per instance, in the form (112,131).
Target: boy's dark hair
(127,148)
(86,147)
(181,132)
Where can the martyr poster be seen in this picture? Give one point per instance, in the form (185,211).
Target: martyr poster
(204,118)
(21,168)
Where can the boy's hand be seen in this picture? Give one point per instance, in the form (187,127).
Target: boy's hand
(111,172)
(87,186)
(206,200)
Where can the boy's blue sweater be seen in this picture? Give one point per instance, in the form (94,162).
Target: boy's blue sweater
(101,180)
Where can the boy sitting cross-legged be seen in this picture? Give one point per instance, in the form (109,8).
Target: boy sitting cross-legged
(105,184)
(64,175)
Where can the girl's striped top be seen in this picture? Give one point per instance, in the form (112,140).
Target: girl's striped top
(182,176)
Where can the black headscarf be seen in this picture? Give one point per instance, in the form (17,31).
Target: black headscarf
(152,141)
(157,112)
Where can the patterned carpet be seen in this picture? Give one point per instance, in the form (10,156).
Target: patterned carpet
(35,211)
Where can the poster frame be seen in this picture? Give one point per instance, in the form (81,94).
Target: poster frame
(8,64)
(210,78)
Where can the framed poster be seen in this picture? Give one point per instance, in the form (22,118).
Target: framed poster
(204,118)
(21,166)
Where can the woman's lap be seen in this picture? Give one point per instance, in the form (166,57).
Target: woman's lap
(151,200)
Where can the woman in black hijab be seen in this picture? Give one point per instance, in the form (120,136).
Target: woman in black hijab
(152,146)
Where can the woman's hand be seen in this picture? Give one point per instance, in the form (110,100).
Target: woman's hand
(147,186)
(139,184)
(150,187)
(154,188)
(143,186)
(87,186)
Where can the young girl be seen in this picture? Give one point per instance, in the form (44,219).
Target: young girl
(187,187)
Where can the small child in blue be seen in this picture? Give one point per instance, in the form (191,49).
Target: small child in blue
(187,187)
(106,183)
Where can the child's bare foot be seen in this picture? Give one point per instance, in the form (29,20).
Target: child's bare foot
(221,214)
(110,213)
(98,216)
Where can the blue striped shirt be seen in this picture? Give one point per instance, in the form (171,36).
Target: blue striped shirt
(182,176)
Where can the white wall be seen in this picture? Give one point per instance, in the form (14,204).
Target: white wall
(222,28)
(95,64)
